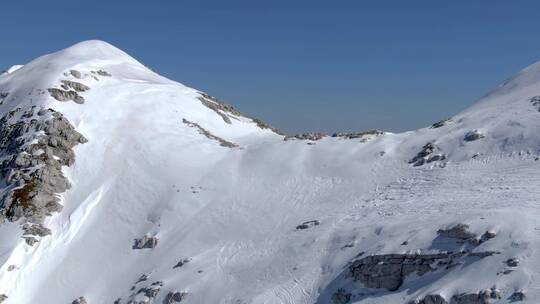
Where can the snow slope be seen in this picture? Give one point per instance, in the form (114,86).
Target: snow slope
(233,210)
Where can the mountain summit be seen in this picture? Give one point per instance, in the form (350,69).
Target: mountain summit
(121,186)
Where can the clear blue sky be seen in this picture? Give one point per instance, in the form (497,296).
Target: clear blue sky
(302,65)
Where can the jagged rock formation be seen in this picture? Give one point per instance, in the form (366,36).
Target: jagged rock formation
(203,131)
(473,135)
(487,296)
(175,297)
(145,295)
(80,300)
(427,155)
(462,233)
(35,144)
(145,242)
(389,270)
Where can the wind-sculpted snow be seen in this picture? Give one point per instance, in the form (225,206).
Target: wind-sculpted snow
(177,197)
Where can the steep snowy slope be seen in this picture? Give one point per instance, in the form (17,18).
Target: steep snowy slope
(176,197)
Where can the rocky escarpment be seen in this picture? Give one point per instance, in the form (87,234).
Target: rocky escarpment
(388,271)
(35,143)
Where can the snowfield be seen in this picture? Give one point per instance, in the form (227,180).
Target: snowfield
(449,211)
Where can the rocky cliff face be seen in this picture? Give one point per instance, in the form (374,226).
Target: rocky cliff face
(35,143)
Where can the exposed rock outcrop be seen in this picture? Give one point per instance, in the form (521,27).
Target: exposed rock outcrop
(535,101)
(487,296)
(221,108)
(365,135)
(101,73)
(441,123)
(512,262)
(517,296)
(473,135)
(431,299)
(3,298)
(182,262)
(77,86)
(461,232)
(314,136)
(175,297)
(35,144)
(226,111)
(145,242)
(146,295)
(203,131)
(429,153)
(341,296)
(66,95)
(389,270)
(308,224)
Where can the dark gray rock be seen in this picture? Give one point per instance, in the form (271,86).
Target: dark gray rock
(308,224)
(389,270)
(460,232)
(80,300)
(145,242)
(441,123)
(512,262)
(181,263)
(431,299)
(487,296)
(175,297)
(66,95)
(341,296)
(517,296)
(151,292)
(429,153)
(473,135)
(3,298)
(535,101)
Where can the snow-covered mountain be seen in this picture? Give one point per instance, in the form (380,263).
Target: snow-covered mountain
(122,186)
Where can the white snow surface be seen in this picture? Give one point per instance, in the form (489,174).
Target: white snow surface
(233,211)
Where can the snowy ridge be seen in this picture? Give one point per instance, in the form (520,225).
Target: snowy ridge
(446,213)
